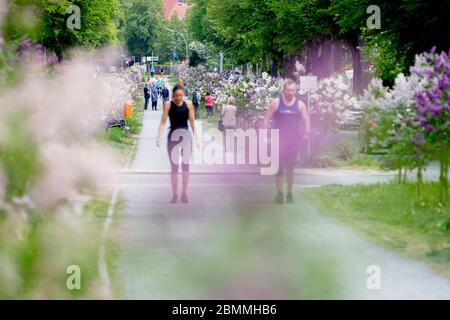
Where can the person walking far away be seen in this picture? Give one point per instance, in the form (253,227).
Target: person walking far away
(154,98)
(209,104)
(229,114)
(152,71)
(196,100)
(159,86)
(229,120)
(165,94)
(147,96)
(179,140)
(288,113)
(186,89)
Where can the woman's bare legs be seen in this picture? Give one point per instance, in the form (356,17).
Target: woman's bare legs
(185,177)
(174,183)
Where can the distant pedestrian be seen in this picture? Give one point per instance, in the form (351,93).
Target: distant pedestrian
(186,89)
(229,114)
(165,94)
(154,98)
(147,95)
(209,104)
(229,120)
(159,86)
(196,100)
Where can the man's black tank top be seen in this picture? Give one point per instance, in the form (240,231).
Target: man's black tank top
(178,116)
(287,119)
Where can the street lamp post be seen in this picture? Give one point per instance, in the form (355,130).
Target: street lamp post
(184,39)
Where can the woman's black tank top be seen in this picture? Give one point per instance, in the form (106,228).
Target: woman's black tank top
(178,116)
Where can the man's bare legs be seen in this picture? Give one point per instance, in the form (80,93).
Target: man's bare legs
(290,173)
(279,178)
(290,179)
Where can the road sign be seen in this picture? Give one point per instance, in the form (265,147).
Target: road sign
(152,59)
(308,83)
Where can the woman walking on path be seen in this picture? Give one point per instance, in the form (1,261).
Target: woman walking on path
(229,119)
(209,104)
(179,141)
(229,114)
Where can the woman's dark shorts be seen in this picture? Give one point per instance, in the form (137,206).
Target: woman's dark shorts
(180,149)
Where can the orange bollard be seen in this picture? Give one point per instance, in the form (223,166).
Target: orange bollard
(128,110)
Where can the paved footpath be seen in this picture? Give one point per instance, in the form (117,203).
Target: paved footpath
(231,241)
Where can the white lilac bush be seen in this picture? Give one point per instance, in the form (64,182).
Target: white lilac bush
(329,103)
(253,94)
(413,118)
(393,124)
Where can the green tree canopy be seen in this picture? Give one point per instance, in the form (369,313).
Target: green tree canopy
(143,19)
(167,41)
(45,21)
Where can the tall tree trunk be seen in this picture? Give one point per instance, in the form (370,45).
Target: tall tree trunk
(326,59)
(419,182)
(276,63)
(338,56)
(289,65)
(313,61)
(357,64)
(321,58)
(244,69)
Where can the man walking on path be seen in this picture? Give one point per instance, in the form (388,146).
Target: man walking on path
(288,112)
(147,96)
(154,98)
(196,101)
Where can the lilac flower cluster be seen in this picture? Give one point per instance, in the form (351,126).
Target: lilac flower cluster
(28,51)
(433,101)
